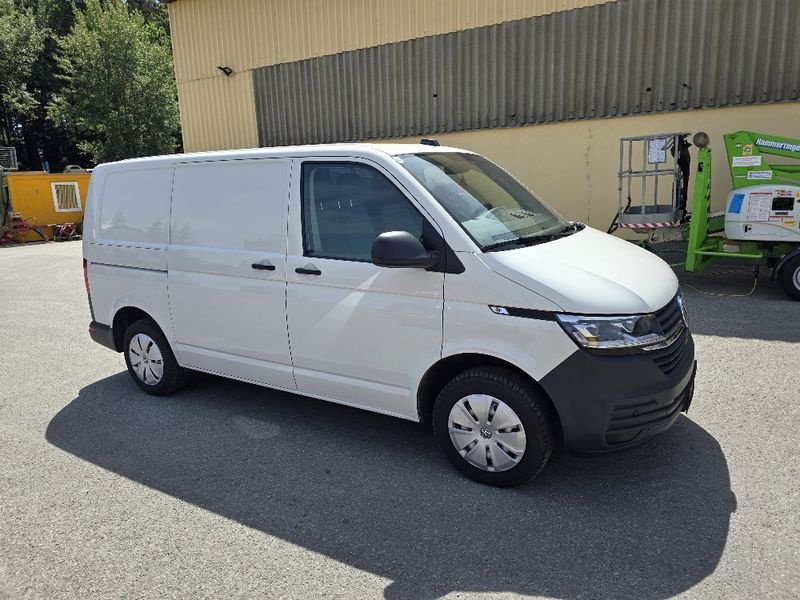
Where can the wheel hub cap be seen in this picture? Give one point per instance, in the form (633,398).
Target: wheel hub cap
(487,432)
(146,359)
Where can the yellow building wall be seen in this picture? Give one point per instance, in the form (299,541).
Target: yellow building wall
(573,165)
(32,196)
(246,34)
(218,112)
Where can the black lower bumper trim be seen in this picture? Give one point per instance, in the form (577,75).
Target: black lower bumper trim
(630,423)
(103,335)
(607,403)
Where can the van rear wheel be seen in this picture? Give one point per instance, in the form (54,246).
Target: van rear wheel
(494,426)
(150,360)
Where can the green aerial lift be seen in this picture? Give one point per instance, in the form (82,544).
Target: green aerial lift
(762,212)
(762,216)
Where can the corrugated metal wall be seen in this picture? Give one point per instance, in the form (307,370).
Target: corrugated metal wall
(627,57)
(219,112)
(245,34)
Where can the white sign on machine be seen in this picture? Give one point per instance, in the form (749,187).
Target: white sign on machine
(758,208)
(746,161)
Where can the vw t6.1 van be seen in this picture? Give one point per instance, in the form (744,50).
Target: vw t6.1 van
(416,281)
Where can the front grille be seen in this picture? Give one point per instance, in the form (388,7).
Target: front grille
(628,421)
(670,317)
(667,359)
(671,320)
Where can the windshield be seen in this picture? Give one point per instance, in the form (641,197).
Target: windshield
(492,207)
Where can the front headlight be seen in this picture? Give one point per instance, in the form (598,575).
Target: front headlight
(613,333)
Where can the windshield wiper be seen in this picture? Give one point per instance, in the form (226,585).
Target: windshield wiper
(531,240)
(571,228)
(507,244)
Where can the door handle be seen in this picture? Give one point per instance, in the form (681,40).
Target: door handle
(260,267)
(304,271)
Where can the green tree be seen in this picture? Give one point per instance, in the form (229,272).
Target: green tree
(153,11)
(119,90)
(21,43)
(40,140)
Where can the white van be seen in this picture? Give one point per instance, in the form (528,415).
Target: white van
(416,281)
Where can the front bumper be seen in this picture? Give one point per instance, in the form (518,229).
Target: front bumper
(607,403)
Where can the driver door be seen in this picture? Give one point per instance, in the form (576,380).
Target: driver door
(360,334)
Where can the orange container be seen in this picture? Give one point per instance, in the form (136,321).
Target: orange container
(46,199)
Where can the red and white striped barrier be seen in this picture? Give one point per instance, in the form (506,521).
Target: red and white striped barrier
(648,225)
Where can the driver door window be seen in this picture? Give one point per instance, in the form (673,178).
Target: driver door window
(346,206)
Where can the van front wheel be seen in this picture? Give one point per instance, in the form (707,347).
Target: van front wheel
(790,277)
(494,426)
(150,360)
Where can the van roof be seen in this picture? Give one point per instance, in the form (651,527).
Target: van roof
(344,150)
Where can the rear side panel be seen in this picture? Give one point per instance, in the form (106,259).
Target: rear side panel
(125,241)
(114,287)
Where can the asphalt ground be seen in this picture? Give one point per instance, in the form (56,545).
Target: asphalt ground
(228,490)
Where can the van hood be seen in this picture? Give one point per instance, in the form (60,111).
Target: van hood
(589,272)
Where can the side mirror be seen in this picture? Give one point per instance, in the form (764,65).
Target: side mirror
(401,249)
